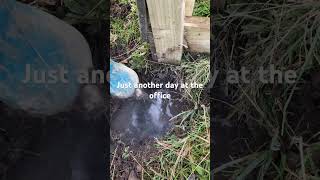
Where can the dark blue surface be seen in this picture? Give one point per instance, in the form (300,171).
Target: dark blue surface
(34,43)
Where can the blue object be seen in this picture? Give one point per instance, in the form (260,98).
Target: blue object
(122,80)
(31,38)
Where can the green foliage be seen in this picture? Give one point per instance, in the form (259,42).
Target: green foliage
(126,153)
(125,35)
(182,157)
(202,8)
(124,32)
(139,56)
(125,29)
(196,72)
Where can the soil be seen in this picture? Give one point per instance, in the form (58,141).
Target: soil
(140,144)
(132,149)
(232,138)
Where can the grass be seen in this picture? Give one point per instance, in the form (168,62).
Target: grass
(263,164)
(181,158)
(202,8)
(125,30)
(125,35)
(256,35)
(196,72)
(187,153)
(184,152)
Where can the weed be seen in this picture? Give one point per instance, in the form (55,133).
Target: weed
(125,36)
(202,8)
(256,35)
(181,158)
(139,56)
(196,72)
(126,153)
(125,32)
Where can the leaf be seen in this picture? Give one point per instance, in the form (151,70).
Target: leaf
(253,165)
(199,170)
(275,143)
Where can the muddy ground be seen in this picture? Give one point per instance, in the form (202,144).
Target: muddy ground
(130,153)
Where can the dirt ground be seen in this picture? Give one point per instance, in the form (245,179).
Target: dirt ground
(131,157)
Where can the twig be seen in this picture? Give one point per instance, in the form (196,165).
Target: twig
(126,53)
(95,7)
(114,155)
(303,168)
(178,159)
(202,160)
(139,164)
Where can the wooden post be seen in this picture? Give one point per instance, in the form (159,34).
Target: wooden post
(197,34)
(189,7)
(167,22)
(145,28)
(143,19)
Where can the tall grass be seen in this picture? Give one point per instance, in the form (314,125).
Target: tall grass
(187,156)
(196,72)
(257,35)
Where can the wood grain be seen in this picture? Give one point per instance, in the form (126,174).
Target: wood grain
(197,34)
(167,22)
(189,7)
